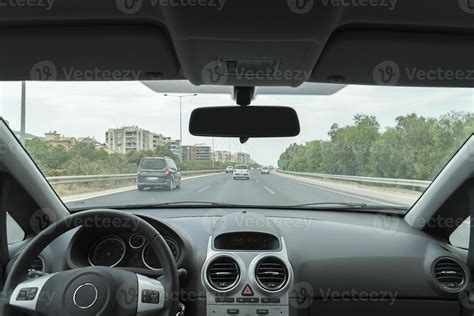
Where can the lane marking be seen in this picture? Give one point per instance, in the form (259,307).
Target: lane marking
(204,189)
(269,190)
(258,181)
(342,193)
(93,195)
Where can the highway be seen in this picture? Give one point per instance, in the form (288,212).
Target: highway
(271,189)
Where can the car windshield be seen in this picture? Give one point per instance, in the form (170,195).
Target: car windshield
(359,146)
(154,164)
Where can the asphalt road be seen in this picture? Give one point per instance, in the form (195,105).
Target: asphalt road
(269,189)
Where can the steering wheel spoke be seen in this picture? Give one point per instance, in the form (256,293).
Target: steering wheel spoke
(151,295)
(27,294)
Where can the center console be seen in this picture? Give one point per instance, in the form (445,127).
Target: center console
(247,271)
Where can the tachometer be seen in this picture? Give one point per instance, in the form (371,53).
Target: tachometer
(108,252)
(151,260)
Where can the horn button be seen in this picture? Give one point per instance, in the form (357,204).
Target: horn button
(91,291)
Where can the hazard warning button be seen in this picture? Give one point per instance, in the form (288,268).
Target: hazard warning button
(247,291)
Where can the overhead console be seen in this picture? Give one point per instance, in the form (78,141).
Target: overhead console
(247,270)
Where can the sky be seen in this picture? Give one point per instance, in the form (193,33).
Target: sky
(82,109)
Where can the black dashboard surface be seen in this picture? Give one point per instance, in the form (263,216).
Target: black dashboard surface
(328,250)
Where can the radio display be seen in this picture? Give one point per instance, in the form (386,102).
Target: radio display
(246,241)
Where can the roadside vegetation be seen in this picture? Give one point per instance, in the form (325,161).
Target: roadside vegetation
(85,159)
(415,148)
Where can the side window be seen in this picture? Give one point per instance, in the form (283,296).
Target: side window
(460,236)
(173,165)
(14,232)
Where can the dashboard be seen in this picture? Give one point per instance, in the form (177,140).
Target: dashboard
(277,262)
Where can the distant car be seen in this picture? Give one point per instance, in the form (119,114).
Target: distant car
(241,172)
(265,170)
(229,169)
(158,172)
(252,168)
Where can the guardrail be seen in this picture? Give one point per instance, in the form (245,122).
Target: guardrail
(387,181)
(108,177)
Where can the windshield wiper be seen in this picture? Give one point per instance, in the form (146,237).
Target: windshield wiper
(351,205)
(179,203)
(354,207)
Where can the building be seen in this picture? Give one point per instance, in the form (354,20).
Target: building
(129,138)
(222,156)
(189,153)
(97,144)
(203,152)
(56,139)
(174,145)
(241,158)
(197,152)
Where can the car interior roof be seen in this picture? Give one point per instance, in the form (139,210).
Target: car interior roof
(329,43)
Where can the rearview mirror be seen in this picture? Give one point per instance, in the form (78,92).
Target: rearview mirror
(244,121)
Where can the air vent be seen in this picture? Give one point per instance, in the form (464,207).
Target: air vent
(271,274)
(223,273)
(37,264)
(450,274)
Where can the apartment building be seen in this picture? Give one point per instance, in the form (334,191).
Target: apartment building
(222,156)
(241,158)
(130,138)
(197,152)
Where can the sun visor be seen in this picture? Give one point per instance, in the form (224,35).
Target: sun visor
(86,54)
(397,58)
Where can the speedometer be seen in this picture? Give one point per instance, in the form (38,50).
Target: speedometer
(108,252)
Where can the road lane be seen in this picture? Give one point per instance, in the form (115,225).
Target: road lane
(269,189)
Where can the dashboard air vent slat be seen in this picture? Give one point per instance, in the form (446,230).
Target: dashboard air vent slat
(271,273)
(449,274)
(223,273)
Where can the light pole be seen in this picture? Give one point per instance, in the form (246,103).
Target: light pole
(180,120)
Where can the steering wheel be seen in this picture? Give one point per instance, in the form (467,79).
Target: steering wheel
(94,290)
